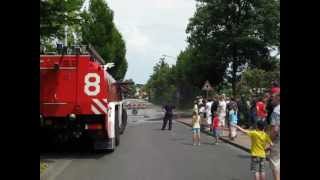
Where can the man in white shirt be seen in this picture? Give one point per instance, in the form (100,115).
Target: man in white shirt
(222,110)
(208,111)
(275,136)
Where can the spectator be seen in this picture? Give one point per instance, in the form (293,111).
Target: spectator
(216,128)
(227,99)
(214,105)
(231,105)
(275,87)
(222,111)
(253,113)
(195,106)
(202,111)
(269,108)
(261,109)
(233,119)
(208,113)
(204,103)
(259,142)
(195,128)
(239,107)
(275,136)
(200,100)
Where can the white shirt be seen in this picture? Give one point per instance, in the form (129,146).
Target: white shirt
(202,109)
(222,107)
(275,121)
(208,107)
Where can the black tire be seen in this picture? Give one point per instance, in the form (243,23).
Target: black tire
(124,121)
(117,131)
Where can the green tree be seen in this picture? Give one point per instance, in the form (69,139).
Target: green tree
(56,14)
(254,81)
(230,35)
(161,85)
(131,88)
(99,30)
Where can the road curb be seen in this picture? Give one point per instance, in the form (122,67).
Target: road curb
(223,139)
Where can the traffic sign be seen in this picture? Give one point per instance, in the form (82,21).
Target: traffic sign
(207,86)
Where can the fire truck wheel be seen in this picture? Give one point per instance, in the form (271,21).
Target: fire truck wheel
(117,132)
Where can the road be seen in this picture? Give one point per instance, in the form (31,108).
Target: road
(147,153)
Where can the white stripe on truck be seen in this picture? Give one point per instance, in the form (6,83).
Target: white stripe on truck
(100,105)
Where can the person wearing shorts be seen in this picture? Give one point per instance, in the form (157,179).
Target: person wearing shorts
(258,165)
(215,127)
(259,141)
(195,128)
(275,136)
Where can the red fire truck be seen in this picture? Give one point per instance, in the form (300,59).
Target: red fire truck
(79,98)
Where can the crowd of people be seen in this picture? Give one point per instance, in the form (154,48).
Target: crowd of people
(221,112)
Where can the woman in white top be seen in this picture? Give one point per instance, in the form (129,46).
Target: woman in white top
(222,110)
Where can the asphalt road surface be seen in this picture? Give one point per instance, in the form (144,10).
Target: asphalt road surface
(147,153)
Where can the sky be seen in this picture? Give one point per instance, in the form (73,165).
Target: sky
(151,28)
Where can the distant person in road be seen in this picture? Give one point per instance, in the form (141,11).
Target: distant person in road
(168,108)
(259,143)
(195,128)
(233,121)
(215,127)
(275,137)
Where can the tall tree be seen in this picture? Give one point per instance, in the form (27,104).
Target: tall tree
(56,14)
(231,35)
(161,85)
(99,30)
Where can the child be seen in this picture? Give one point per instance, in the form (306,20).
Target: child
(233,120)
(195,128)
(215,127)
(259,142)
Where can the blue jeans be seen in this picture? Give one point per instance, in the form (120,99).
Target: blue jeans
(195,130)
